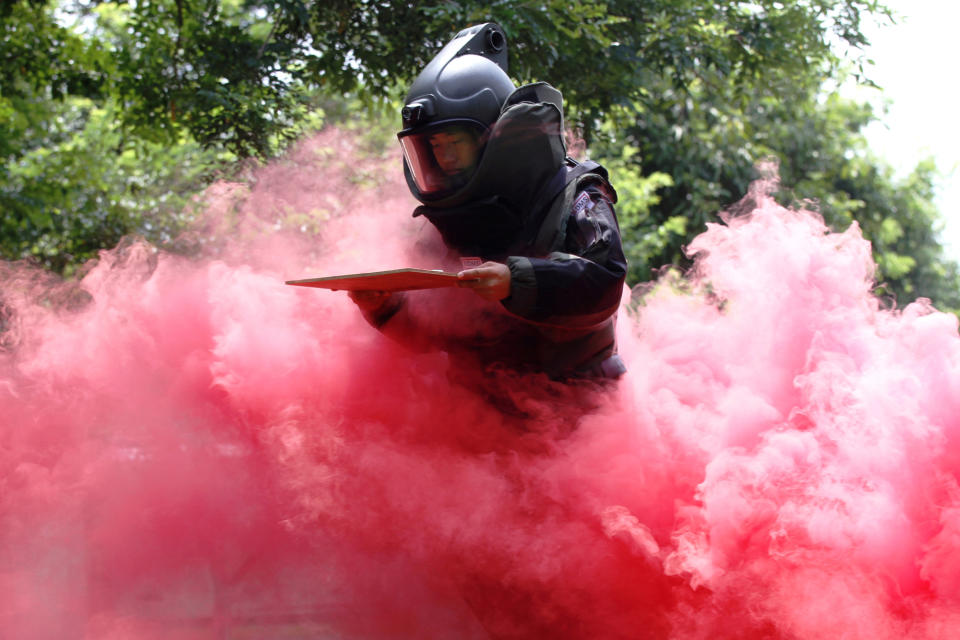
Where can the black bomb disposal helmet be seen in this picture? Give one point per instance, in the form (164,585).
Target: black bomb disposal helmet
(452,103)
(478,152)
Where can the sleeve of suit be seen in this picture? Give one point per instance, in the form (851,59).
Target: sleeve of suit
(581,286)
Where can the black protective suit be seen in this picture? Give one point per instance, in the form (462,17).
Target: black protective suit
(560,315)
(552,222)
(524,203)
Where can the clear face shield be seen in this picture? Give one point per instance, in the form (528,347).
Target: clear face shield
(443,156)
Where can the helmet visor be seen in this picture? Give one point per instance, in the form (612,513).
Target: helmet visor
(443,156)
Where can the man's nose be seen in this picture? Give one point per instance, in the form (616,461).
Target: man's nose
(447,153)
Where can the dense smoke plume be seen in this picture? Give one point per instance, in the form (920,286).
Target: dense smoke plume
(191,449)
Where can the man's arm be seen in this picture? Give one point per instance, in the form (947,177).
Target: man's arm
(581,286)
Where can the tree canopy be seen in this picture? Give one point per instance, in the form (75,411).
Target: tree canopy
(112,114)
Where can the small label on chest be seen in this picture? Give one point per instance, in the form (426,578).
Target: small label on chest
(581,203)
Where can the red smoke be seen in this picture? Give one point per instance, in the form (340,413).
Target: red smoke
(191,449)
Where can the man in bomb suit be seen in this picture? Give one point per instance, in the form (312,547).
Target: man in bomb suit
(488,163)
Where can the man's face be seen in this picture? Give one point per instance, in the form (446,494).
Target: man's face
(456,150)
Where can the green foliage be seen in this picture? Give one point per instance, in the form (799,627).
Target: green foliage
(39,55)
(638,198)
(214,69)
(235,73)
(710,142)
(629,46)
(88,185)
(84,164)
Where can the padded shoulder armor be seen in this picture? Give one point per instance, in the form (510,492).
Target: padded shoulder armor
(571,180)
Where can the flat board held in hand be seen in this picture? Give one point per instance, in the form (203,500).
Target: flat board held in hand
(395,280)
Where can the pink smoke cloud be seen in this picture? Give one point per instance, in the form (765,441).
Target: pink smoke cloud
(190,449)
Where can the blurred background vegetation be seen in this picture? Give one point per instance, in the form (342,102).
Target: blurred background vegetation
(114,116)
